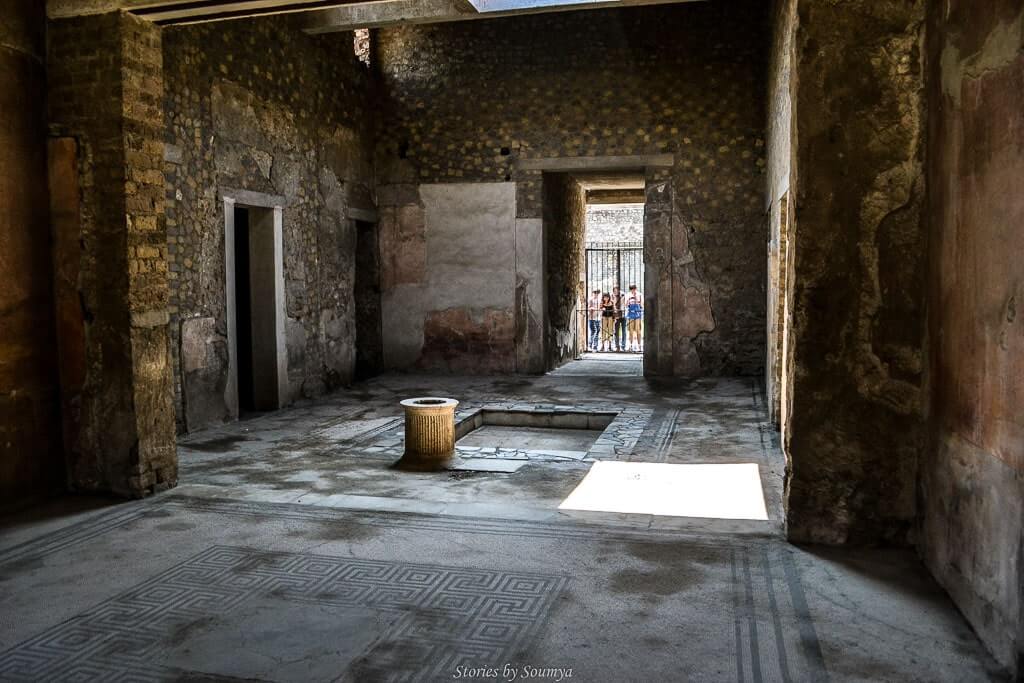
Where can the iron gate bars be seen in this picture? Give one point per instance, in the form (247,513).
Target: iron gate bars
(612,264)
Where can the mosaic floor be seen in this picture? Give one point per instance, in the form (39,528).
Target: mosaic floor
(177,588)
(293,551)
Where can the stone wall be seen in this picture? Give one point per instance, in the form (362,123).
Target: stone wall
(565,218)
(972,488)
(258,106)
(490,101)
(105,75)
(31,460)
(615,224)
(856,432)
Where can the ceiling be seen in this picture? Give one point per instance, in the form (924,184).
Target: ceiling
(327,16)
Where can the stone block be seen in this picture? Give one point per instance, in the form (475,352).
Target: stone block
(570,421)
(204,362)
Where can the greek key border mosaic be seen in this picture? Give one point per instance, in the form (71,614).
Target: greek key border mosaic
(486,614)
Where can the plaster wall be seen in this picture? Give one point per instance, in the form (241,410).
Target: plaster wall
(781,137)
(972,471)
(452,303)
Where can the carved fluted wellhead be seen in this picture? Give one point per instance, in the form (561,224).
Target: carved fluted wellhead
(429,433)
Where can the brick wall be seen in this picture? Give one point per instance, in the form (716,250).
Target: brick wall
(105,92)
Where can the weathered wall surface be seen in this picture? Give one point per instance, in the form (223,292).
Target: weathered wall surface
(855,433)
(972,488)
(565,219)
(31,459)
(450,306)
(258,106)
(471,102)
(106,86)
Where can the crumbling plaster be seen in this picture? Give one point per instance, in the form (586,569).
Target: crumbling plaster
(856,428)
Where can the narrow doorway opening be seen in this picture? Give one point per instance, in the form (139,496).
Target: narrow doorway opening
(243,312)
(257,297)
(367,295)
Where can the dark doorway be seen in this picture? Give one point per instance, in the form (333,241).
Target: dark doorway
(243,312)
(257,295)
(369,333)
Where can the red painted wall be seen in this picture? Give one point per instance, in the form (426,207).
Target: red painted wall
(31,461)
(972,486)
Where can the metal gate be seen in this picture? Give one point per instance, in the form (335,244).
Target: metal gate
(614,264)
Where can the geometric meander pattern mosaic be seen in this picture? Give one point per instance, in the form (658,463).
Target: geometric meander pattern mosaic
(444,616)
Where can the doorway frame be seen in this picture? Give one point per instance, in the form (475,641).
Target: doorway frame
(272,206)
(655,169)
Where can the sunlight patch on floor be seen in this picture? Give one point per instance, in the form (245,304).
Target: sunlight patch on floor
(726,491)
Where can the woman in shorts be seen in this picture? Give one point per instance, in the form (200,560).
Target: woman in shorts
(607,321)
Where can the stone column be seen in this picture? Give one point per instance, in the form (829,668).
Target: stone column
(106,102)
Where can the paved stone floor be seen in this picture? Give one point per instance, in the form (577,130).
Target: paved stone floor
(339,452)
(291,551)
(605,363)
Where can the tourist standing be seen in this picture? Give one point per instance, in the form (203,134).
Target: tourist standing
(620,318)
(635,318)
(593,319)
(607,321)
